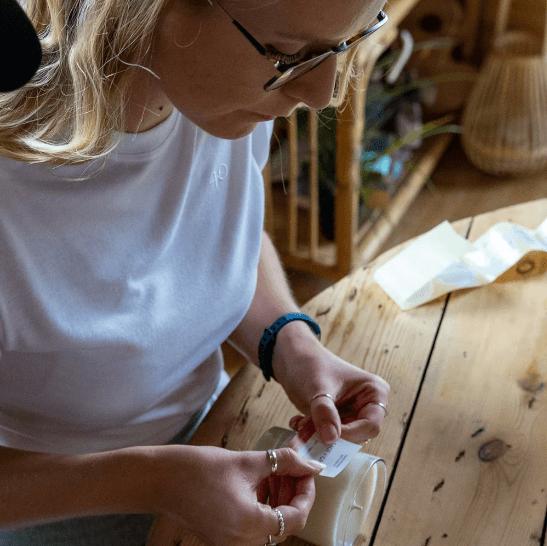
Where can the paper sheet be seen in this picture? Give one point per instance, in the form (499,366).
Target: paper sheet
(441,261)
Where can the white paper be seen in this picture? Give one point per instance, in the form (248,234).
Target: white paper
(441,261)
(336,456)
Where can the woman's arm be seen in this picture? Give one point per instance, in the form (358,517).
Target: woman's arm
(304,367)
(272,299)
(41,487)
(212,492)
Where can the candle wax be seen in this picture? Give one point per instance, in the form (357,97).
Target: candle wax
(342,503)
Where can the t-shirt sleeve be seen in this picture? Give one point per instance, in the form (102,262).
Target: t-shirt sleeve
(261,143)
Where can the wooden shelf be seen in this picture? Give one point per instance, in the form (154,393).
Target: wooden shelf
(293,220)
(375,232)
(376,229)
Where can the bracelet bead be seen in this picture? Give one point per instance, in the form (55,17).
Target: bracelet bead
(267,342)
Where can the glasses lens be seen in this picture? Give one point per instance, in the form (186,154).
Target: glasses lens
(295,72)
(290,74)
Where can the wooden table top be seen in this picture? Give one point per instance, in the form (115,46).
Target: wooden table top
(465,440)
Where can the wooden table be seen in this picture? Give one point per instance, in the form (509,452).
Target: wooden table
(465,440)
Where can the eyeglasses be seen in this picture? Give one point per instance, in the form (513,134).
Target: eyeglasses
(291,67)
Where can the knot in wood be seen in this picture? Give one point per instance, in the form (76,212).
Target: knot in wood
(526,266)
(492,450)
(352,294)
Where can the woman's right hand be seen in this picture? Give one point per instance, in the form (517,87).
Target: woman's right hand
(220,495)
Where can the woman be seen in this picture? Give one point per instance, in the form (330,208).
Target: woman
(132,247)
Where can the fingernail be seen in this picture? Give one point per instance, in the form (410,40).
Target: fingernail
(329,434)
(316,465)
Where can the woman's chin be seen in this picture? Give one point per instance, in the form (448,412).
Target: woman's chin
(231,131)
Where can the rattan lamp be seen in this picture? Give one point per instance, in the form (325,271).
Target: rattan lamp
(505,119)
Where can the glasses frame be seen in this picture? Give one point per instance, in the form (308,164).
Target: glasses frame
(307,63)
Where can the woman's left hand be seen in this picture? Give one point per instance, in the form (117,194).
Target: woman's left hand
(354,413)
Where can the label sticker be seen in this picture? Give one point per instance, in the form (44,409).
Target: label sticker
(336,456)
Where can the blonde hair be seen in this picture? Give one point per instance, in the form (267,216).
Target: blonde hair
(69,111)
(73,107)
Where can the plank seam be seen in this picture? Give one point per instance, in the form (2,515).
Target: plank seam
(409,422)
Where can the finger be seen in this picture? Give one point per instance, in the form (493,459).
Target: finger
(287,490)
(273,482)
(326,419)
(304,494)
(296,421)
(359,431)
(301,504)
(305,432)
(263,491)
(289,463)
(366,426)
(295,514)
(304,426)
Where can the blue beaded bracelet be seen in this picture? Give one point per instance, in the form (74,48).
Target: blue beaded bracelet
(267,342)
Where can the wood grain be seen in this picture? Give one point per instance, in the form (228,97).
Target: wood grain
(473,468)
(465,437)
(361,325)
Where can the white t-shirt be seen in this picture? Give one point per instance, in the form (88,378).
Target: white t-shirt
(117,290)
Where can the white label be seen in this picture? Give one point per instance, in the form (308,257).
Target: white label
(336,456)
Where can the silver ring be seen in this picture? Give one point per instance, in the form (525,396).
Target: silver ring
(272,455)
(281,522)
(319,396)
(281,528)
(383,406)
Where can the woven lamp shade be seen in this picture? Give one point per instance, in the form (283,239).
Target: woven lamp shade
(505,119)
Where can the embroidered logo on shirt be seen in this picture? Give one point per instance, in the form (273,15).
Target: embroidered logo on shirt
(219,176)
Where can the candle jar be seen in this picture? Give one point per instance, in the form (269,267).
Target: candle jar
(342,503)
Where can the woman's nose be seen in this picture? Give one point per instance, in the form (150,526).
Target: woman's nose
(316,87)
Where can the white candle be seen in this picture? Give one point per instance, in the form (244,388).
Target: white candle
(341,503)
